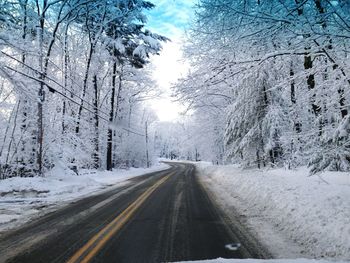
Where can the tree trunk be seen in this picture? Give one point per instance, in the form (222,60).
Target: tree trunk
(96,126)
(41,92)
(147,154)
(292,86)
(43,64)
(86,77)
(111,119)
(300,9)
(114,116)
(65,79)
(24,159)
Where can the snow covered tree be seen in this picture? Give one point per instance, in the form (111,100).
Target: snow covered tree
(64,69)
(282,69)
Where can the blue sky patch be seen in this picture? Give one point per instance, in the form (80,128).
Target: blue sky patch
(170,17)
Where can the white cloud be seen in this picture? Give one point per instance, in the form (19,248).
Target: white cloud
(169,66)
(169,18)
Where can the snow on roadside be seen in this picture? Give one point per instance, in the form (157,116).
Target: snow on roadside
(221,260)
(293,214)
(22,199)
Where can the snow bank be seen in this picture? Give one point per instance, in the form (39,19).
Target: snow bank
(221,260)
(295,215)
(24,198)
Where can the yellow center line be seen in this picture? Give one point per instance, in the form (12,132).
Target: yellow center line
(94,245)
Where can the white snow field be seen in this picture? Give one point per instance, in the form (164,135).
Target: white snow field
(293,214)
(22,199)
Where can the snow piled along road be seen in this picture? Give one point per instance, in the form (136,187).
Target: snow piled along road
(293,214)
(22,199)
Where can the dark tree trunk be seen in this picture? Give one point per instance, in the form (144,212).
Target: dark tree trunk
(86,77)
(299,8)
(146,135)
(111,119)
(117,105)
(343,109)
(66,61)
(293,99)
(96,158)
(310,80)
(43,64)
(292,86)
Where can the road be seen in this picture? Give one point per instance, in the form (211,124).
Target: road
(164,216)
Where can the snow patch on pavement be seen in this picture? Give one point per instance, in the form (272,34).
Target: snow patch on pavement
(294,214)
(22,199)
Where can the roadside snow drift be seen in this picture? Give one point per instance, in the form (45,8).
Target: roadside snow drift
(293,214)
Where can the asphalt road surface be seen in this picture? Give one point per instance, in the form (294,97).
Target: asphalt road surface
(164,216)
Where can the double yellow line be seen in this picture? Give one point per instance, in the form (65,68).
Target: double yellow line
(94,245)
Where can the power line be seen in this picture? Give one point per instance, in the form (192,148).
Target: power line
(70,99)
(53,80)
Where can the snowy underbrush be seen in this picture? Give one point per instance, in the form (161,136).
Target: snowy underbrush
(21,199)
(293,214)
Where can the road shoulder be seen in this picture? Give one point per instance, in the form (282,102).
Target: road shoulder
(234,223)
(289,212)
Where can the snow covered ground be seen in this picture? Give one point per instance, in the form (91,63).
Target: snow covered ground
(293,214)
(22,199)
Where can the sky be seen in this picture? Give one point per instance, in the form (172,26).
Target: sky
(169,18)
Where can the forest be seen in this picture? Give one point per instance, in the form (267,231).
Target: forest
(268,86)
(269,83)
(73,83)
